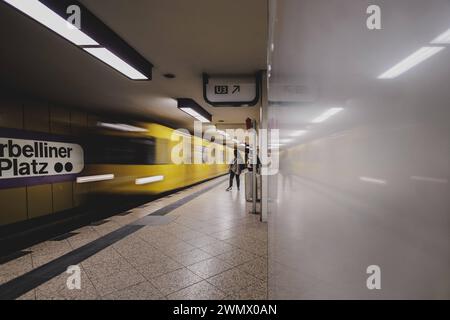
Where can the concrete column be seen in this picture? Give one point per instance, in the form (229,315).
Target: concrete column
(263,136)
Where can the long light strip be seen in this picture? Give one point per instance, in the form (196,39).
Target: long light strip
(444,38)
(114,61)
(373,180)
(147,180)
(194,114)
(327,114)
(411,61)
(298,133)
(102,177)
(121,127)
(429,179)
(42,14)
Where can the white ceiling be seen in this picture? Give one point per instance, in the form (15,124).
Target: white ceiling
(178,36)
(326,57)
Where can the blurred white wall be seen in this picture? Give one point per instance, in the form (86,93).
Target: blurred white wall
(370,184)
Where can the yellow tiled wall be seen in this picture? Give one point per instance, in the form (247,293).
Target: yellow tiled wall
(23,203)
(13,205)
(62,196)
(39,200)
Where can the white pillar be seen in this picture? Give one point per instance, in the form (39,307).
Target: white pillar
(254,166)
(263,136)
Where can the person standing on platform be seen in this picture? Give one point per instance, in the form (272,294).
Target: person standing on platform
(235,170)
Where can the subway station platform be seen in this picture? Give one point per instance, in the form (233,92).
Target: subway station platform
(122,121)
(200,243)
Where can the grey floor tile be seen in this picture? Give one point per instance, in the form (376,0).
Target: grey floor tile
(253,292)
(111,283)
(14,268)
(192,257)
(202,241)
(30,295)
(57,289)
(141,291)
(209,268)
(236,257)
(106,256)
(175,281)
(233,280)
(199,291)
(177,249)
(256,267)
(227,234)
(156,268)
(217,248)
(106,268)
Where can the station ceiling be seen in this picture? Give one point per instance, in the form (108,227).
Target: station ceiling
(326,57)
(182,37)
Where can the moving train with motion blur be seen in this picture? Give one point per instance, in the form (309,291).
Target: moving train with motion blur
(136,160)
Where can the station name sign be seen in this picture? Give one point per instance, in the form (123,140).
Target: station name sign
(25,162)
(237,91)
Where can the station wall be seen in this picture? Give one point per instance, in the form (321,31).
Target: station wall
(19,204)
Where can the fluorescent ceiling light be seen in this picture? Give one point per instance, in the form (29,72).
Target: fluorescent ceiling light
(121,127)
(193,109)
(147,180)
(411,61)
(327,114)
(298,133)
(443,38)
(115,62)
(42,14)
(195,114)
(372,180)
(53,17)
(429,179)
(282,141)
(102,177)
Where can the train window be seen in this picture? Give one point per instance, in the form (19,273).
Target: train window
(120,150)
(163,151)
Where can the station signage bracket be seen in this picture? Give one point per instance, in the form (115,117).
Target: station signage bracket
(232,90)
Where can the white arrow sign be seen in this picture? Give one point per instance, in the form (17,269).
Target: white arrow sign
(236,91)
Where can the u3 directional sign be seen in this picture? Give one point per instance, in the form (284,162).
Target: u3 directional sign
(231,90)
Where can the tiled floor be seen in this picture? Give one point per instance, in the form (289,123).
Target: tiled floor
(210,248)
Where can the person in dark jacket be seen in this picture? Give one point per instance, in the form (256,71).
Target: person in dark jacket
(235,170)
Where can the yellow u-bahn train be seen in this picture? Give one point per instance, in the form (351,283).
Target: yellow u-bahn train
(138,163)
